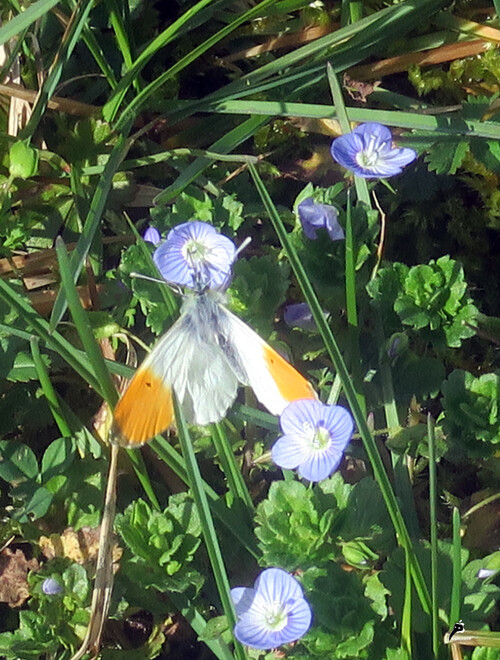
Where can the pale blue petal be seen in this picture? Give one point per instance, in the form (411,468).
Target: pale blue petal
(373,130)
(256,635)
(300,412)
(319,466)
(51,587)
(172,265)
(289,451)
(152,235)
(276,585)
(243,598)
(314,216)
(344,150)
(339,423)
(299,620)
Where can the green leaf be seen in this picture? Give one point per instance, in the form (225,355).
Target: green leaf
(24,19)
(294,526)
(57,457)
(485,653)
(471,412)
(76,583)
(446,155)
(431,297)
(23,160)
(36,501)
(366,516)
(17,462)
(487,152)
(344,621)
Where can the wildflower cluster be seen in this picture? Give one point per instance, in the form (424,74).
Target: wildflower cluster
(314,435)
(194,255)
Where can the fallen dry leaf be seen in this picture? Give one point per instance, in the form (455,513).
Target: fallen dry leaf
(14,569)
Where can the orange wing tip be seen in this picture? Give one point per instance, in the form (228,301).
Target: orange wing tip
(290,383)
(145,409)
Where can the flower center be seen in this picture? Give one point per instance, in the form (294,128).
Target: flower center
(195,253)
(276,617)
(321,438)
(369,157)
(318,435)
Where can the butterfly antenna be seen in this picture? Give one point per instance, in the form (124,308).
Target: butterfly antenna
(140,276)
(246,242)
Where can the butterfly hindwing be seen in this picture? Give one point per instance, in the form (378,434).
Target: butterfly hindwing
(190,360)
(273,379)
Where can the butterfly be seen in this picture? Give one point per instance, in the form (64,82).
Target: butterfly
(205,355)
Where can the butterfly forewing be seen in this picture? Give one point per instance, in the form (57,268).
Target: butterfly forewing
(273,379)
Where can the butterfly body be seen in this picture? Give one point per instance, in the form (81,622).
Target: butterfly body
(206,354)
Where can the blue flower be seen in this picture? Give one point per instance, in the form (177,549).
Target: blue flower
(315,436)
(299,315)
(274,612)
(314,216)
(152,235)
(197,256)
(369,153)
(51,587)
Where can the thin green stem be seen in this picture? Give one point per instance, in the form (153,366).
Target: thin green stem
(48,390)
(434,536)
(236,484)
(83,327)
(456,583)
(207,524)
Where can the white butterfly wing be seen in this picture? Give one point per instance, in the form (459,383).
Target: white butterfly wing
(189,360)
(275,382)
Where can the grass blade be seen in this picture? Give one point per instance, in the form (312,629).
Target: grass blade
(208,528)
(76,24)
(25,19)
(83,327)
(76,359)
(93,218)
(134,107)
(434,536)
(438,124)
(48,390)
(236,484)
(456,585)
(226,143)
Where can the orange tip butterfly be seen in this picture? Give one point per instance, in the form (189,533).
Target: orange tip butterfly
(206,354)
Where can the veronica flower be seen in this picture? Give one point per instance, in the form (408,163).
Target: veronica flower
(369,153)
(314,216)
(195,255)
(152,235)
(315,436)
(299,315)
(274,612)
(51,587)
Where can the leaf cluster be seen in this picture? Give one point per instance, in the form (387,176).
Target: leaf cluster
(299,527)
(161,545)
(51,621)
(471,417)
(430,298)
